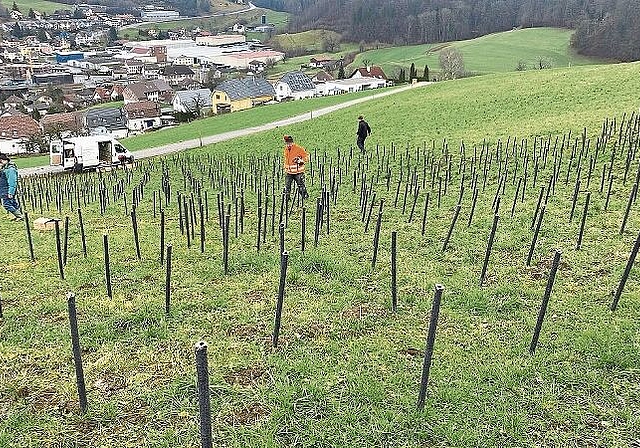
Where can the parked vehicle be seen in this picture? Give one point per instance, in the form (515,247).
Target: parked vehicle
(86,153)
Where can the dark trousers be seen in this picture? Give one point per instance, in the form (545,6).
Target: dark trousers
(11,205)
(299,178)
(360,143)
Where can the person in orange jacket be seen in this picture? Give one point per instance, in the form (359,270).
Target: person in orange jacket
(295,158)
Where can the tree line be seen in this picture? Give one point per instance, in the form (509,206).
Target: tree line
(604,28)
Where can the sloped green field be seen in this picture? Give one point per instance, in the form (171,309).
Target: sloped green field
(347,368)
(499,52)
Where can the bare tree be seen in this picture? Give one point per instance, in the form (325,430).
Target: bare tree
(196,104)
(331,43)
(451,64)
(543,63)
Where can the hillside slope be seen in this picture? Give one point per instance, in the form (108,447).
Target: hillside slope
(499,52)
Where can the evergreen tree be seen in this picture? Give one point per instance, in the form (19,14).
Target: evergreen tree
(425,74)
(17,31)
(15,7)
(341,72)
(413,73)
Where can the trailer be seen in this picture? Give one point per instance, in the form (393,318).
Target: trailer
(87,153)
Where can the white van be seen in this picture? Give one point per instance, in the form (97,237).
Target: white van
(85,153)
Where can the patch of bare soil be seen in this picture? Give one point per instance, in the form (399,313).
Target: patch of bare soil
(249,415)
(364,310)
(246,376)
(109,383)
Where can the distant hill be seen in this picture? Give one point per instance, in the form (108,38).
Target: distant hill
(499,52)
(606,29)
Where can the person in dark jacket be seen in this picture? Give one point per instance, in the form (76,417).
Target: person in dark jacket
(363,132)
(8,186)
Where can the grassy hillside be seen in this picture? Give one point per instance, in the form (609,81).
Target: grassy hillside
(214,24)
(311,40)
(499,52)
(347,369)
(237,120)
(37,5)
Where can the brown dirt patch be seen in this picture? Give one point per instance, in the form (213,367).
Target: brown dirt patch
(248,332)
(543,267)
(364,310)
(249,415)
(246,376)
(311,331)
(109,383)
(412,352)
(46,400)
(255,296)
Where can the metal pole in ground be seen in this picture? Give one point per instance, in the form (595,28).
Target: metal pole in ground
(431,338)
(283,275)
(77,355)
(82,235)
(625,275)
(29,239)
(167,283)
(489,245)
(394,285)
(204,398)
(107,269)
(60,265)
(545,302)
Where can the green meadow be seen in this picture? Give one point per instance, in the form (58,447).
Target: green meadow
(347,368)
(493,53)
(37,5)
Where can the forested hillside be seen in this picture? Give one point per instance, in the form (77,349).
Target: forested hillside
(605,28)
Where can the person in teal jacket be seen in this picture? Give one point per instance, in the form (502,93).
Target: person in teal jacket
(8,186)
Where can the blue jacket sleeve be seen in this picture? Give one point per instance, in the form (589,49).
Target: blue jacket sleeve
(12,179)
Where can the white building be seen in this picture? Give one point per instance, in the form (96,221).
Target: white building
(192,101)
(350,85)
(295,85)
(220,39)
(151,16)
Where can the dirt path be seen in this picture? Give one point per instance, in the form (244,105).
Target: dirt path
(195,143)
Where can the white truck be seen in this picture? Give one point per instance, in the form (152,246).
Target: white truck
(86,153)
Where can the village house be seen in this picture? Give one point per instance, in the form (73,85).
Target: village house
(257,66)
(238,94)
(16,131)
(195,102)
(326,63)
(142,116)
(106,121)
(370,71)
(157,90)
(174,74)
(321,77)
(295,85)
(63,124)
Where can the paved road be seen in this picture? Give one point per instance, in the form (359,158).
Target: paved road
(189,144)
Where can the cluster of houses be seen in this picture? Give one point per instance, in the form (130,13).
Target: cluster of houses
(49,89)
(153,104)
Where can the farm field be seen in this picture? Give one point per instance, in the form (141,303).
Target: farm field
(218,24)
(493,53)
(37,5)
(347,368)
